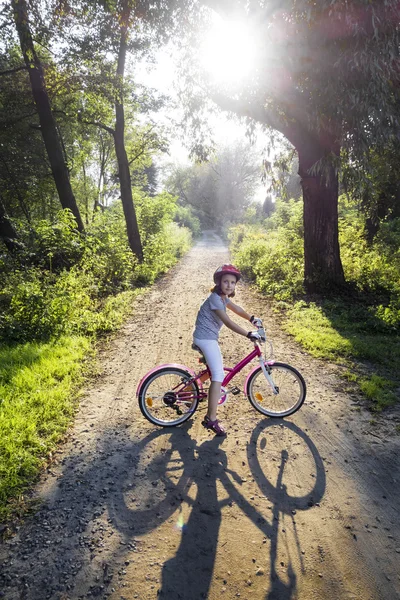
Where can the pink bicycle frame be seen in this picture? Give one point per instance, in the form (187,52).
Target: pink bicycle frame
(237,368)
(231,372)
(183,367)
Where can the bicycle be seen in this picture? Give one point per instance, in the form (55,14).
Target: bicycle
(169,394)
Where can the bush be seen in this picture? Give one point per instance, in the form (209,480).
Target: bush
(162,251)
(107,256)
(56,246)
(372,268)
(153,213)
(272,255)
(64,282)
(185,217)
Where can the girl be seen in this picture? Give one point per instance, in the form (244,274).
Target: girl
(210,318)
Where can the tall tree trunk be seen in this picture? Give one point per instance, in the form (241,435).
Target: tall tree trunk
(322,265)
(7,231)
(47,123)
(119,139)
(323,269)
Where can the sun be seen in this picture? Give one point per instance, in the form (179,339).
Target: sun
(228,52)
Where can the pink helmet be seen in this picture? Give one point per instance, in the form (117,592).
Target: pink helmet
(226,270)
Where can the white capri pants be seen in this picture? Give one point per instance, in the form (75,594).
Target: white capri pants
(213,356)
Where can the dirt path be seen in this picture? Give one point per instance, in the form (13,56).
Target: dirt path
(302,509)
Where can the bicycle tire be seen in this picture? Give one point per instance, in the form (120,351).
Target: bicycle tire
(292,391)
(164,399)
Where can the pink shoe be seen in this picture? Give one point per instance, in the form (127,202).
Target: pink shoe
(216,426)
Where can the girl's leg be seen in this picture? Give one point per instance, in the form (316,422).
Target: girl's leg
(214,394)
(212,354)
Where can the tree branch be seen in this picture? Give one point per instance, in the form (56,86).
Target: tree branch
(9,122)
(137,155)
(110,130)
(11,71)
(255,111)
(146,137)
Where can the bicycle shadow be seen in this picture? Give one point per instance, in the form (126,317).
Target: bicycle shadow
(189,573)
(284,503)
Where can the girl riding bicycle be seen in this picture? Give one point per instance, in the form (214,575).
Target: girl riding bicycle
(210,318)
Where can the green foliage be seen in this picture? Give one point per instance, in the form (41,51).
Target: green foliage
(349,332)
(378,187)
(38,384)
(185,217)
(379,390)
(161,252)
(57,245)
(107,258)
(63,307)
(153,213)
(372,268)
(43,296)
(220,189)
(272,255)
(287,215)
(338,329)
(362,329)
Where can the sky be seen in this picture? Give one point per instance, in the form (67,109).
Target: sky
(224,60)
(161,76)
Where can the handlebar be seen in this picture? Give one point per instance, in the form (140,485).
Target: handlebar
(261,333)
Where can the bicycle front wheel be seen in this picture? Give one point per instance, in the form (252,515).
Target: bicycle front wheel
(288,382)
(169,397)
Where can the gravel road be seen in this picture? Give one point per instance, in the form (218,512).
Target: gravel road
(305,508)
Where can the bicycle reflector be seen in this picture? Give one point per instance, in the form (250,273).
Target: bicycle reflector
(149,401)
(259,397)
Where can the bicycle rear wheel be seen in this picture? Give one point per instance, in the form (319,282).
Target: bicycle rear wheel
(291,391)
(169,397)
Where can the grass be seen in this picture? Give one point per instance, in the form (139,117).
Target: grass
(38,391)
(39,388)
(349,333)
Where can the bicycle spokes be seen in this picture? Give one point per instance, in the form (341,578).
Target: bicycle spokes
(169,397)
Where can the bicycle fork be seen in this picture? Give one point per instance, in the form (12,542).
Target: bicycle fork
(268,377)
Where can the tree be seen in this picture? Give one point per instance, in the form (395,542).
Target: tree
(118,30)
(325,80)
(378,188)
(8,232)
(119,134)
(48,127)
(220,189)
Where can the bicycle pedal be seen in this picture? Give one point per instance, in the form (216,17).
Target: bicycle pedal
(235,390)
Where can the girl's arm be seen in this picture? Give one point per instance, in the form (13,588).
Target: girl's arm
(229,323)
(238,310)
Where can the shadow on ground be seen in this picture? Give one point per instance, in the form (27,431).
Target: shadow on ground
(79,543)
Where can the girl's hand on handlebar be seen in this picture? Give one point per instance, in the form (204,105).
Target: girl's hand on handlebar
(256,321)
(254,336)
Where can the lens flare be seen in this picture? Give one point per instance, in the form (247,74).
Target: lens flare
(229,51)
(180,524)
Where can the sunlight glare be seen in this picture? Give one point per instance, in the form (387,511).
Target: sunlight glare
(228,52)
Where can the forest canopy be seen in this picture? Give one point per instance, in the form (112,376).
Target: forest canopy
(78,131)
